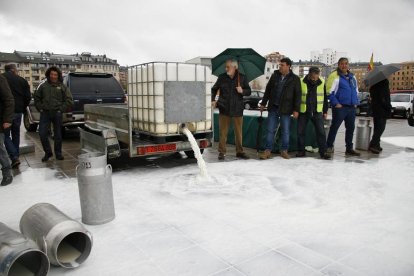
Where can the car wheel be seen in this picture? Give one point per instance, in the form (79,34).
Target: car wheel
(407,114)
(190,153)
(410,120)
(27,125)
(247,106)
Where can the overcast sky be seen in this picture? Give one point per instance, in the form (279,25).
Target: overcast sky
(160,30)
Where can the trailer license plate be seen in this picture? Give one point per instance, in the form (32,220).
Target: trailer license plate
(156,148)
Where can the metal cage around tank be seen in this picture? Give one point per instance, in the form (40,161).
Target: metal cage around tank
(164,95)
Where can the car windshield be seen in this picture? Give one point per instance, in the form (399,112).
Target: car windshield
(102,84)
(400,98)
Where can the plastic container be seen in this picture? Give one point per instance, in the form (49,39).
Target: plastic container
(160,94)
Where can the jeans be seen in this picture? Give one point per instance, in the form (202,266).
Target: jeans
(273,120)
(4,158)
(379,127)
(317,120)
(46,118)
(12,137)
(347,114)
(224,124)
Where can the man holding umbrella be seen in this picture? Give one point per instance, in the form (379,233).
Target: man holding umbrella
(380,101)
(235,67)
(232,86)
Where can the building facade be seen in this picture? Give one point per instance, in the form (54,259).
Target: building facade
(32,66)
(328,56)
(403,79)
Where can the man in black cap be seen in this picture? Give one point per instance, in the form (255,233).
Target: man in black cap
(313,107)
(21,92)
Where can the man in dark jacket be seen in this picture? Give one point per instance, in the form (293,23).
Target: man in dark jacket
(230,88)
(381,110)
(313,107)
(283,95)
(6,118)
(21,92)
(52,98)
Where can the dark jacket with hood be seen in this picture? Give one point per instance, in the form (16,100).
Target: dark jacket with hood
(6,103)
(380,99)
(291,93)
(21,91)
(230,102)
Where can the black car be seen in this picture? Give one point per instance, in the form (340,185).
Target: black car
(364,104)
(252,101)
(86,88)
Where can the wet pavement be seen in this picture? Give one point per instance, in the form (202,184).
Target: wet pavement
(253,217)
(71,149)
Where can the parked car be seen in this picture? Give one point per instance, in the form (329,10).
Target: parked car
(252,101)
(86,88)
(401,104)
(364,104)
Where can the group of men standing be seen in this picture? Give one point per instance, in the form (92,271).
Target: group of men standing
(52,98)
(306,99)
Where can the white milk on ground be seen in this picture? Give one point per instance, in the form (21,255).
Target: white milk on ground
(197,153)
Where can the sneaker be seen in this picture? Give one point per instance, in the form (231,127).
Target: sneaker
(374,149)
(60,157)
(221,156)
(326,156)
(46,157)
(242,155)
(284,154)
(265,155)
(330,150)
(7,177)
(351,152)
(15,163)
(301,154)
(379,147)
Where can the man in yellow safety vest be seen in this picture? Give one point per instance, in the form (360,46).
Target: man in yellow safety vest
(313,107)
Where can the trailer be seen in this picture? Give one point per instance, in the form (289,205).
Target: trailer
(163,98)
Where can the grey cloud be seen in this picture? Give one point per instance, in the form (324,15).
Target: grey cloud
(140,31)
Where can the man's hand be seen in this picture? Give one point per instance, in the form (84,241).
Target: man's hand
(213,104)
(262,107)
(325,115)
(239,90)
(295,114)
(6,125)
(338,105)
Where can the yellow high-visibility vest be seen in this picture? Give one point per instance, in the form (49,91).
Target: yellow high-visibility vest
(319,96)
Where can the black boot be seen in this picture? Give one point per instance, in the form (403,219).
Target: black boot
(301,154)
(7,177)
(351,152)
(46,157)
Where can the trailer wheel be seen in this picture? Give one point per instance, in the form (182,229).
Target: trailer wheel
(190,153)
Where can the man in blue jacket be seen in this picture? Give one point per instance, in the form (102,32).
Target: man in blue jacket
(343,88)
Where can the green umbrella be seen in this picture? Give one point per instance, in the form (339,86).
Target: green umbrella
(251,64)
